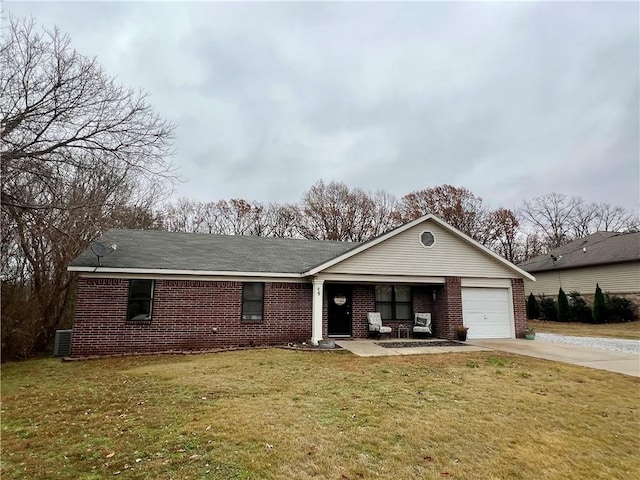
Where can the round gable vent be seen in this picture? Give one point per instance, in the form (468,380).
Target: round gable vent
(427,239)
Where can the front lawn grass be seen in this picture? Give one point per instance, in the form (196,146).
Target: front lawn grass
(279,414)
(629,330)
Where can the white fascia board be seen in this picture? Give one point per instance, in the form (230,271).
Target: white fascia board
(412,224)
(190,273)
(356,278)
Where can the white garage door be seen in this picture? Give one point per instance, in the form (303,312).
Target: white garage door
(486,311)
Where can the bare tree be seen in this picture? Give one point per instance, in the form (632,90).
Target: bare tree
(333,211)
(386,212)
(456,206)
(183,215)
(234,217)
(239,217)
(209,218)
(558,219)
(552,215)
(611,218)
(79,153)
(282,220)
(505,233)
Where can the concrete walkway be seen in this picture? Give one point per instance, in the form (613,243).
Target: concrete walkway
(625,363)
(370,348)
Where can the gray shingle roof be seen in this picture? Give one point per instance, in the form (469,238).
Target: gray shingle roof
(601,248)
(151,249)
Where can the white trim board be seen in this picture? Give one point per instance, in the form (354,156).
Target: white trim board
(190,273)
(354,278)
(486,282)
(199,278)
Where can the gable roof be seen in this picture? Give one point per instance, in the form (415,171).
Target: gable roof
(600,248)
(204,253)
(161,252)
(426,218)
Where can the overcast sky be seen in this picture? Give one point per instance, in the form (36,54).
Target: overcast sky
(510,100)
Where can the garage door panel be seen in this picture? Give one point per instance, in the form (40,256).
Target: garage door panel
(486,311)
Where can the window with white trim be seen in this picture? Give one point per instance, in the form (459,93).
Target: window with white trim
(427,239)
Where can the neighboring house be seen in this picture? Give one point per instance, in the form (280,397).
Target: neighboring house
(609,259)
(162,291)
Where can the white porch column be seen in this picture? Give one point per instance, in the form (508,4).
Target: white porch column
(316,311)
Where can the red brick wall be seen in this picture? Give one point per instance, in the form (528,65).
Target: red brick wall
(364,301)
(448,309)
(423,299)
(519,306)
(185,313)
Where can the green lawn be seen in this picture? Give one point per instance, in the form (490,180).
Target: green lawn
(279,414)
(629,330)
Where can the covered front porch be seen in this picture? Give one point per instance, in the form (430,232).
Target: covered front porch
(340,306)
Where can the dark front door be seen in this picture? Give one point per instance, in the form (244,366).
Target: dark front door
(339,310)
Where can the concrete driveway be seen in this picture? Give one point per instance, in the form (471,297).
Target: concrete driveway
(625,363)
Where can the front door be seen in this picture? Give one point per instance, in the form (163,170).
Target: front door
(339,310)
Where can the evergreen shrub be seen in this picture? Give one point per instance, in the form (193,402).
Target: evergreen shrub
(548,309)
(563,307)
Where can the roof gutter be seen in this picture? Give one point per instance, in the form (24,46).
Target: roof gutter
(160,271)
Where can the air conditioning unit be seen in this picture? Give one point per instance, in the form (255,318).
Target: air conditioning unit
(62,345)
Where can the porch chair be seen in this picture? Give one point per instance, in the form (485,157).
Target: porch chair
(422,324)
(375,325)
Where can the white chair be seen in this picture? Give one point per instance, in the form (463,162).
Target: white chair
(422,323)
(375,324)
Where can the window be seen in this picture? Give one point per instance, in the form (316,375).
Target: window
(394,302)
(427,239)
(252,301)
(140,300)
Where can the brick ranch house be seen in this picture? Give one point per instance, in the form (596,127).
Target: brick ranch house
(162,291)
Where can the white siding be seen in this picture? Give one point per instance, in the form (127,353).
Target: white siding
(404,255)
(620,278)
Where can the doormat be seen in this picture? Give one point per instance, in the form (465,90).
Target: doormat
(435,343)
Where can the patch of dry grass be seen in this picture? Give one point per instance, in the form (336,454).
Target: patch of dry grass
(287,414)
(629,330)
